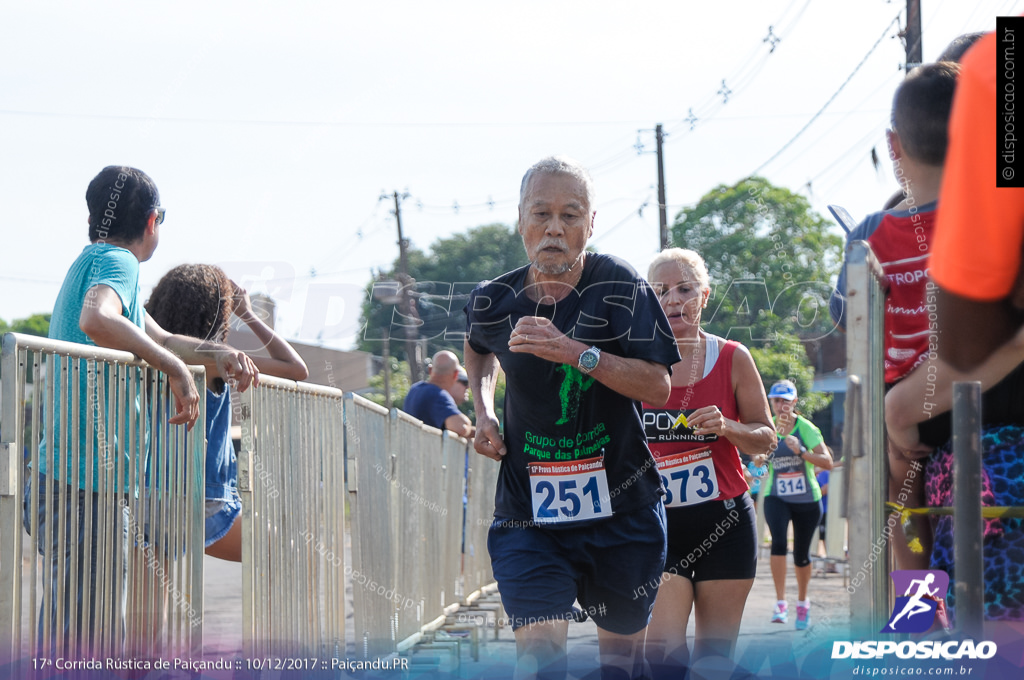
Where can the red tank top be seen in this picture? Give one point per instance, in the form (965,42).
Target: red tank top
(667,431)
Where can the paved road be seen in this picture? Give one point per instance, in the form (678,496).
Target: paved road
(829,608)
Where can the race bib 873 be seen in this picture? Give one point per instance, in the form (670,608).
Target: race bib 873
(689,478)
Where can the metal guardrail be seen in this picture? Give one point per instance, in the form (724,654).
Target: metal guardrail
(867,464)
(481,482)
(291,482)
(835,523)
(127,495)
(456,454)
(412,509)
(406,483)
(373,572)
(412,449)
(864,458)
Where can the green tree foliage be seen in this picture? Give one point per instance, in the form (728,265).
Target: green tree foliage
(444,277)
(399,385)
(785,358)
(37,324)
(772,262)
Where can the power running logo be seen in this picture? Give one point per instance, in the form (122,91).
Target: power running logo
(914,611)
(671,425)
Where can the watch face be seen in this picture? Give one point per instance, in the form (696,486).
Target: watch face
(589,359)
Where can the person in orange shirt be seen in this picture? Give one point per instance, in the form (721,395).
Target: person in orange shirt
(976,255)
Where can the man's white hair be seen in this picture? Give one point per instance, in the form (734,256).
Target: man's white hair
(559,165)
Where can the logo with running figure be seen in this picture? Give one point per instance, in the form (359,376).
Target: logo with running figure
(914,611)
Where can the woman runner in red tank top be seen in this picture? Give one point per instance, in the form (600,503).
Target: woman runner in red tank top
(718,406)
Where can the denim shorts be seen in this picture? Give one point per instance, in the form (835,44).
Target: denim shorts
(220,515)
(613,567)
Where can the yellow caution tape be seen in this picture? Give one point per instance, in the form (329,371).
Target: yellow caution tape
(910,532)
(988,512)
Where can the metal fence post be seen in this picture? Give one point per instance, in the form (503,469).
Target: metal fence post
(865,457)
(10,483)
(967,523)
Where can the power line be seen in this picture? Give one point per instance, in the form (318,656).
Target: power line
(741,78)
(830,99)
(638,214)
(827,134)
(319,123)
(25,279)
(871,136)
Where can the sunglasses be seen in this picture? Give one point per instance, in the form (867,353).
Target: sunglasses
(160,212)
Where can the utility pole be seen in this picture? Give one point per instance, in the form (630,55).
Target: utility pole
(403,245)
(407,306)
(662,208)
(912,35)
(659,136)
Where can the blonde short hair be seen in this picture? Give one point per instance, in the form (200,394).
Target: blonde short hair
(682,256)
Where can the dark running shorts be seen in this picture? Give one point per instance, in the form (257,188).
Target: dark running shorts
(713,541)
(613,567)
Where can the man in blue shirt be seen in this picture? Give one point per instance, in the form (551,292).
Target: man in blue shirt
(431,400)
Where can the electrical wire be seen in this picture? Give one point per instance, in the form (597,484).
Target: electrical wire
(829,133)
(740,78)
(637,213)
(815,117)
(871,136)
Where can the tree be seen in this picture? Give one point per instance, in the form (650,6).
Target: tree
(444,277)
(399,386)
(772,261)
(785,358)
(37,324)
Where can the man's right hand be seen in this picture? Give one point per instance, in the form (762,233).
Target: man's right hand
(488,440)
(186,397)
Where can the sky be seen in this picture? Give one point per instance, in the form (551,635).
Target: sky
(273,129)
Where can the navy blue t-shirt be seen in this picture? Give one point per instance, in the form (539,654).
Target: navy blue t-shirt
(554,413)
(429,403)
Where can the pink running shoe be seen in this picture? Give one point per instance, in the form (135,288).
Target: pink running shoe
(803,617)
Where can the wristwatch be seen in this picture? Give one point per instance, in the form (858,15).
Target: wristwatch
(589,359)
